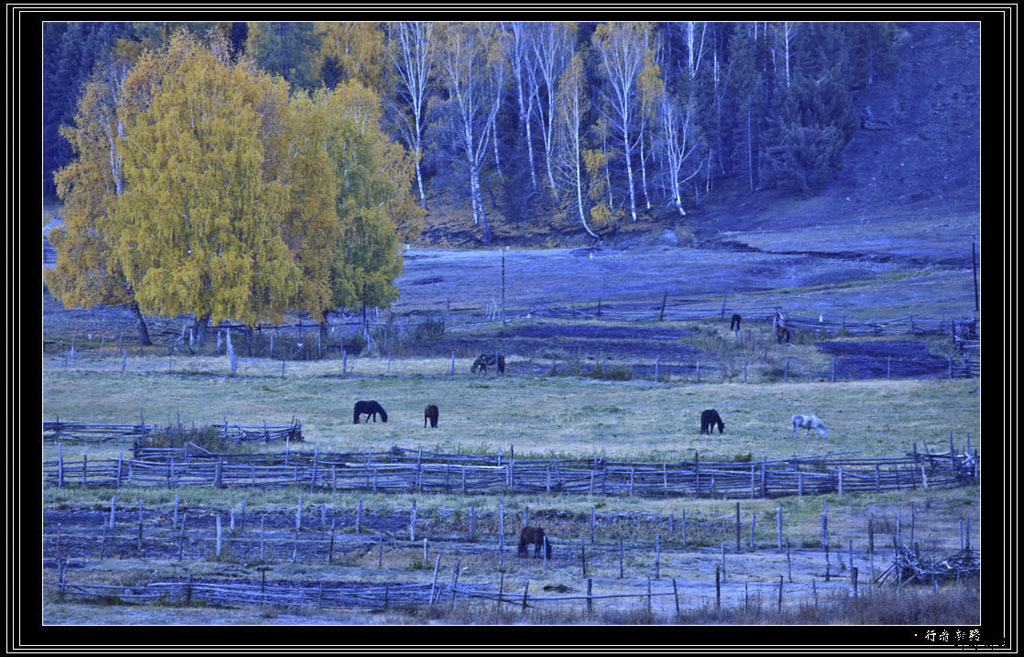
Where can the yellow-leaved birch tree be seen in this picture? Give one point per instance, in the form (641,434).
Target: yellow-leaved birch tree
(198,227)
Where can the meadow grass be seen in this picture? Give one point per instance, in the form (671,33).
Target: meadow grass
(539,415)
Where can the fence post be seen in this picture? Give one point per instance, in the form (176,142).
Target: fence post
(181,538)
(657,556)
(140,527)
(718,589)
(330,550)
(433,583)
(789,561)
(590,600)
(60,465)
(455,580)
(737,528)
(263,555)
(412,522)
(593,520)
(218,535)
(778,526)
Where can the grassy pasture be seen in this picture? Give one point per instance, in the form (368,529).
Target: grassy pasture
(570,416)
(800,283)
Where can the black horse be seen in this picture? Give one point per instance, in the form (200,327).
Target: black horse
(430,413)
(735,324)
(536,536)
(708,420)
(488,360)
(369,409)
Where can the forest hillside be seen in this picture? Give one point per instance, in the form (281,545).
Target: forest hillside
(917,161)
(675,133)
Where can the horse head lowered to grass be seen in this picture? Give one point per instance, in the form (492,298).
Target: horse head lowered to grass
(370,409)
(809,422)
(536,536)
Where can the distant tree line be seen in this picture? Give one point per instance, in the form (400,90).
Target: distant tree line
(242,169)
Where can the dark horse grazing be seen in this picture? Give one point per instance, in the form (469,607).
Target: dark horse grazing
(781,333)
(485,360)
(536,536)
(735,324)
(369,409)
(708,420)
(430,413)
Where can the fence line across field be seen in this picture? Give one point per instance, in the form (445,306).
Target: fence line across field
(83,432)
(960,329)
(376,472)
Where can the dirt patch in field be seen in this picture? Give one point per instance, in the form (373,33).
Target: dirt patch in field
(561,341)
(869,360)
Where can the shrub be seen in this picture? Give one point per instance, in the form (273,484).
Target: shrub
(429,330)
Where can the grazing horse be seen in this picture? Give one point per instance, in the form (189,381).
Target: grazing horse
(536,536)
(369,409)
(809,422)
(485,360)
(430,413)
(708,420)
(781,333)
(735,324)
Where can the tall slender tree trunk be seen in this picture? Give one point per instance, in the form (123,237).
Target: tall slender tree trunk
(143,331)
(750,149)
(643,174)
(579,197)
(477,192)
(419,173)
(629,173)
(199,328)
(497,161)
(529,150)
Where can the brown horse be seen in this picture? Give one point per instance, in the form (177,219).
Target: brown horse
(708,420)
(536,536)
(488,360)
(430,413)
(781,334)
(369,408)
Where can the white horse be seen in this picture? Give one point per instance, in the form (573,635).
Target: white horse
(809,422)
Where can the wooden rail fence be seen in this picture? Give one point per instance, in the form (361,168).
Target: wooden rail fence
(94,433)
(403,470)
(83,432)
